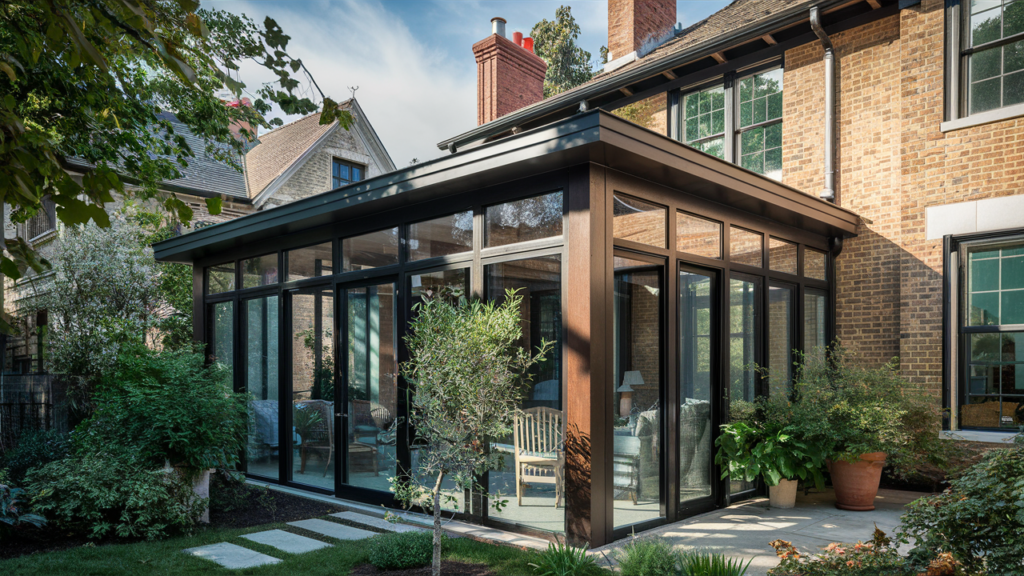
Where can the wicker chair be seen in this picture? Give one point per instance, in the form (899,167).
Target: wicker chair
(539,457)
(320,436)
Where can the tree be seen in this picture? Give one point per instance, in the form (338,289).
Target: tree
(87,79)
(555,42)
(469,378)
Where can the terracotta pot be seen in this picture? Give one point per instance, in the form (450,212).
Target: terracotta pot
(782,495)
(856,483)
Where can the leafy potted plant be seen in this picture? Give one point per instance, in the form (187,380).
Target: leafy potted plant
(767,446)
(865,419)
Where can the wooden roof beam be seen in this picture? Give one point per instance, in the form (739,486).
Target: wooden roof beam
(874,4)
(669,74)
(719,57)
(769,39)
(625,90)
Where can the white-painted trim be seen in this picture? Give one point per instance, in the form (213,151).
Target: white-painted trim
(620,62)
(988,215)
(978,436)
(374,147)
(299,162)
(982,118)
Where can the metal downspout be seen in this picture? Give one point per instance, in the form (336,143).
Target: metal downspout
(829,192)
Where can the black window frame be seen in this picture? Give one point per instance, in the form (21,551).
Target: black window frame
(45,219)
(337,182)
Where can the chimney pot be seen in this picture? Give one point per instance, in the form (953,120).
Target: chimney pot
(528,44)
(517,37)
(498,26)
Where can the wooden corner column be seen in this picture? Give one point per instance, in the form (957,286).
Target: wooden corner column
(588,358)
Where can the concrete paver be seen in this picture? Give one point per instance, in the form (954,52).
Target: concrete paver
(332,529)
(375,522)
(232,556)
(286,541)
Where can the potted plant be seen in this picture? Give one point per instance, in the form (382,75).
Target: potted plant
(767,446)
(865,419)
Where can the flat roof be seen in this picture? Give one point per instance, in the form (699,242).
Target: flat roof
(592,137)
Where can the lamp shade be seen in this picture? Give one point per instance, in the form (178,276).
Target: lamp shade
(629,379)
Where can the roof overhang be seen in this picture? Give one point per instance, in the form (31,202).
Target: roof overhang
(593,137)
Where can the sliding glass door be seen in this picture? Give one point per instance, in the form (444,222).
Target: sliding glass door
(698,353)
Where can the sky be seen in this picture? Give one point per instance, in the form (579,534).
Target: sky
(412,60)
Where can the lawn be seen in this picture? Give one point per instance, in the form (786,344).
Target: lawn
(166,557)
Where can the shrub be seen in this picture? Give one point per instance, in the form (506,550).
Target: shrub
(647,557)
(34,449)
(979,519)
(706,563)
(564,560)
(229,492)
(397,551)
(874,558)
(104,494)
(12,509)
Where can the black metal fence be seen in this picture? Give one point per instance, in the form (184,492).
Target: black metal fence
(30,402)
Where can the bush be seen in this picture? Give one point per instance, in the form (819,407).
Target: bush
(12,509)
(168,406)
(647,557)
(397,551)
(876,557)
(229,492)
(34,449)
(563,560)
(979,519)
(706,563)
(99,495)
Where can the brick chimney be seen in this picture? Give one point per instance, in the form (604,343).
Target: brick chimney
(631,22)
(509,75)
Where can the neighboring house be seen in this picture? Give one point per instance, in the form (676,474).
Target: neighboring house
(318,157)
(803,170)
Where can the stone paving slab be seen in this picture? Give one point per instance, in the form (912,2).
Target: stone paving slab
(332,529)
(286,541)
(232,556)
(379,523)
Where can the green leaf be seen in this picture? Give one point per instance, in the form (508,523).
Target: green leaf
(9,71)
(213,205)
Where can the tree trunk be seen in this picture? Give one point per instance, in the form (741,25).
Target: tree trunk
(436,566)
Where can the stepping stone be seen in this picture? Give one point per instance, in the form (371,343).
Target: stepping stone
(332,529)
(232,556)
(376,522)
(286,541)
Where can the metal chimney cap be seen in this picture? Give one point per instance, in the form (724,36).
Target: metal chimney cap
(498,26)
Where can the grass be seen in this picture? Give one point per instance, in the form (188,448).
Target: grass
(165,557)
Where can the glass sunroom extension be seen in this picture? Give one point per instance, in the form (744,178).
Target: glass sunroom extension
(663,275)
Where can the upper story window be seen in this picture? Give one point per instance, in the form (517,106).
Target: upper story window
(44,221)
(345,173)
(739,120)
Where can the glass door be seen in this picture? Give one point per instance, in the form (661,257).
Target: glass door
(698,381)
(744,355)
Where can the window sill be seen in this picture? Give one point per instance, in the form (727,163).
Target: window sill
(45,236)
(982,118)
(978,436)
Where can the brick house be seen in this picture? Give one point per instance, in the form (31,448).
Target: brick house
(778,175)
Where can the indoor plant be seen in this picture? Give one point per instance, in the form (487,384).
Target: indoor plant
(864,418)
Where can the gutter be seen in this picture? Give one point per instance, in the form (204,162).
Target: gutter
(829,191)
(646,70)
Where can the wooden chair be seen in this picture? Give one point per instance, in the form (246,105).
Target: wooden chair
(539,457)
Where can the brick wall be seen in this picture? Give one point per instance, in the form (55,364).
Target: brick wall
(651,113)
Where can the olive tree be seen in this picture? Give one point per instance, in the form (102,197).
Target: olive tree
(469,377)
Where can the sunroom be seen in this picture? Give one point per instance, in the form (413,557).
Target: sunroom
(665,276)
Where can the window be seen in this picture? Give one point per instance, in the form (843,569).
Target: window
(44,221)
(746,247)
(309,262)
(698,236)
(638,221)
(220,278)
(443,236)
(524,220)
(371,250)
(755,121)
(346,173)
(259,271)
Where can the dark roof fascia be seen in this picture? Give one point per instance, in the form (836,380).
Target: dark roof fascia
(79,168)
(596,136)
(654,67)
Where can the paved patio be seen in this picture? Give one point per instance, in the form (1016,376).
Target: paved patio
(744,530)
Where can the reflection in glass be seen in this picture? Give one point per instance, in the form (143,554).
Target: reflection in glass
(636,392)
(261,382)
(638,221)
(309,262)
(815,335)
(220,278)
(704,120)
(371,250)
(995,386)
(533,482)
(780,340)
(746,247)
(371,367)
(441,236)
(744,296)
(314,446)
(698,236)
(782,256)
(995,280)
(259,271)
(222,334)
(814,264)
(696,340)
(524,220)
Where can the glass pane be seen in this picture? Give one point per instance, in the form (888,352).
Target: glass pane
(357,173)
(371,250)
(752,141)
(1011,307)
(651,113)
(995,283)
(309,262)
(636,450)
(441,237)
(638,221)
(696,339)
(984,309)
(698,236)
(985,95)
(1013,89)
(814,264)
(815,318)
(261,382)
(714,147)
(1013,56)
(534,490)
(984,275)
(523,220)
(986,26)
(1013,18)
(782,256)
(221,334)
(761,98)
(745,247)
(744,296)
(985,64)
(371,365)
(985,348)
(992,412)
(341,171)
(220,278)
(706,118)
(780,340)
(259,271)
(314,451)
